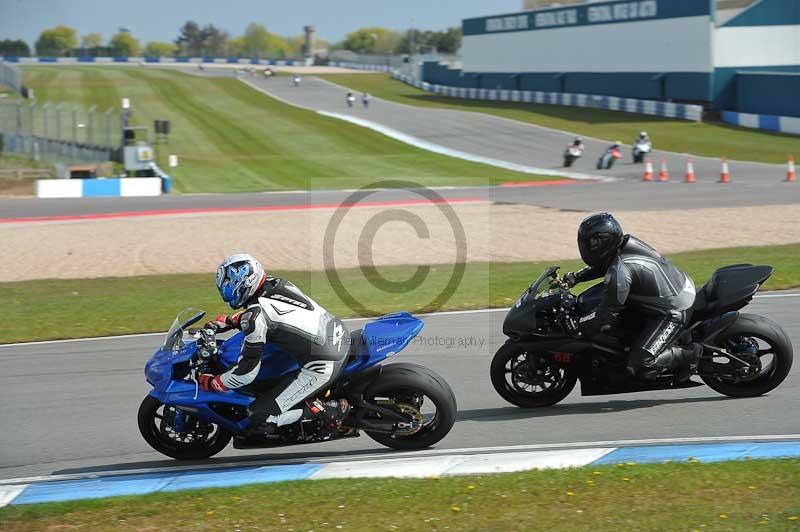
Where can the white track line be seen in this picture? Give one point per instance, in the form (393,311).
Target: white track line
(442,150)
(537,126)
(430,146)
(419,454)
(428,315)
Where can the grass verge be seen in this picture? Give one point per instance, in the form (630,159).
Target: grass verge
(744,495)
(55,309)
(713,139)
(231,138)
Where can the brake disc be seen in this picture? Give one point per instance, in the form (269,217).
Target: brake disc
(407,429)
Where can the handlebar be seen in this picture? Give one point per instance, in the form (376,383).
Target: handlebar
(206,342)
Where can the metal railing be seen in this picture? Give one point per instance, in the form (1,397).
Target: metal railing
(11,76)
(57,131)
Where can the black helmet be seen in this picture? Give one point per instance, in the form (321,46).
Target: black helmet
(599,236)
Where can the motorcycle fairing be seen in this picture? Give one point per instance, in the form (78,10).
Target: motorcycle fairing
(381,339)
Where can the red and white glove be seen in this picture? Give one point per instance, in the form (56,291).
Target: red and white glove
(211,383)
(223,322)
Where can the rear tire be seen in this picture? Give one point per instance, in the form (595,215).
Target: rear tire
(769,332)
(148,419)
(404,378)
(502,374)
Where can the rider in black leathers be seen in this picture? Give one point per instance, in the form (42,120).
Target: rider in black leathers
(637,278)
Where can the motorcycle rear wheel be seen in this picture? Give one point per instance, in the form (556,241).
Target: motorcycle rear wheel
(507,372)
(403,380)
(149,420)
(769,339)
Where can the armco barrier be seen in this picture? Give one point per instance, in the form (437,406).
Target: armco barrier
(223,60)
(361,66)
(89,188)
(612,103)
(782,124)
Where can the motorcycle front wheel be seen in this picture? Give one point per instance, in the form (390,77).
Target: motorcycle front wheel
(527,380)
(195,439)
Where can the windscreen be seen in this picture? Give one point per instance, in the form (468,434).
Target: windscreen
(184,319)
(540,282)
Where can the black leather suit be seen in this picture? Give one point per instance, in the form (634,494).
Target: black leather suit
(639,279)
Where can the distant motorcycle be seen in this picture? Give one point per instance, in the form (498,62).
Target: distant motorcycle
(608,158)
(640,150)
(744,355)
(571,154)
(402,406)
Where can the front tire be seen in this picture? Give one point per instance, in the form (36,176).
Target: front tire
(770,341)
(521,384)
(400,380)
(152,428)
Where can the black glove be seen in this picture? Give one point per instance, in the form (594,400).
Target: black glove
(570,279)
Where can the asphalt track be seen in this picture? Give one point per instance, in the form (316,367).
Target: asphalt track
(491,136)
(485,135)
(70,407)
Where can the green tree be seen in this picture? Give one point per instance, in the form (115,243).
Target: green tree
(17,48)
(124,44)
(296,45)
(91,40)
(235,47)
(190,39)
(56,41)
(215,40)
(372,40)
(256,40)
(160,49)
(446,42)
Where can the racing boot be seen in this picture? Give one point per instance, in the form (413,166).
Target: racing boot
(333,410)
(269,426)
(682,361)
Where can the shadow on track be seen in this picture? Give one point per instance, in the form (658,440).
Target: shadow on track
(510,413)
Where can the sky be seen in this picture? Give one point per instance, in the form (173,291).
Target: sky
(159,20)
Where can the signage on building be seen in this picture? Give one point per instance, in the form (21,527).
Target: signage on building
(595,13)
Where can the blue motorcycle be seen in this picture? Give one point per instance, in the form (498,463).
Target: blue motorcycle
(402,406)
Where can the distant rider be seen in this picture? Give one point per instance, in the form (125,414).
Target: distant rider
(365,100)
(643,138)
(577,143)
(638,280)
(276,311)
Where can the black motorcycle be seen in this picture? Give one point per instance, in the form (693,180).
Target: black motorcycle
(745,355)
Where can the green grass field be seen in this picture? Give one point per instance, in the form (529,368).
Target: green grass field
(231,138)
(713,139)
(740,496)
(122,305)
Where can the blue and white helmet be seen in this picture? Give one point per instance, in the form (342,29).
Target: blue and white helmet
(238,279)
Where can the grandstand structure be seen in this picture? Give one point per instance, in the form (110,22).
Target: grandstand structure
(737,55)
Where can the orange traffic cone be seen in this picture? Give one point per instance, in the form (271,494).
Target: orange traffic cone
(725,176)
(648,171)
(791,175)
(663,174)
(690,171)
